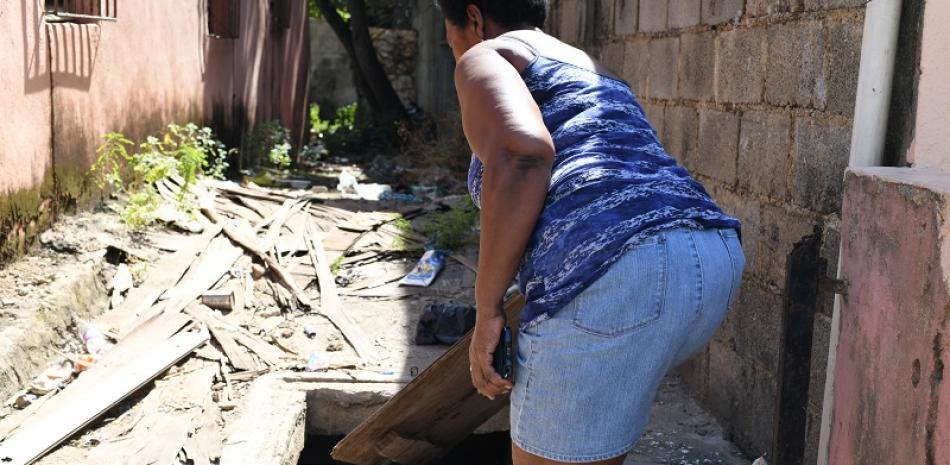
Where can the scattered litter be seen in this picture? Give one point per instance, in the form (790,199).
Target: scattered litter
(372,191)
(310,331)
(444,323)
(53,378)
(4,302)
(347,182)
(24,400)
(94,341)
(318,360)
(760,461)
(220,299)
(400,197)
(426,270)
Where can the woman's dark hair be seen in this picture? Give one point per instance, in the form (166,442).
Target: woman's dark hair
(507,13)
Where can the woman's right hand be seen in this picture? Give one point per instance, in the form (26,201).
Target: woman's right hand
(485,338)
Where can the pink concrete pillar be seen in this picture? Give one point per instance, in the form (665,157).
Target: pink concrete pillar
(891,403)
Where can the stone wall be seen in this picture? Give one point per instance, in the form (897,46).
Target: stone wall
(755,98)
(331,78)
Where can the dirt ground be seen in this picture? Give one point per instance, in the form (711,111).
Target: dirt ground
(95,243)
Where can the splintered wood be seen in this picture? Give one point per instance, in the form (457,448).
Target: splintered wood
(222,308)
(427,418)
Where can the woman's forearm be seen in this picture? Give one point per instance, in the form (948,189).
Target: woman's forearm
(513,193)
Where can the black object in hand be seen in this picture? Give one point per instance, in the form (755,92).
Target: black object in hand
(502,358)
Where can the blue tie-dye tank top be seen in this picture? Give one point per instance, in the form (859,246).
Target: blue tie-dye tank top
(612,184)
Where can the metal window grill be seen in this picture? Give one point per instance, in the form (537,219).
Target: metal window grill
(224,19)
(102,10)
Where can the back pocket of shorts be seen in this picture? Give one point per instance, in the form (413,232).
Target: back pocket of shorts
(629,296)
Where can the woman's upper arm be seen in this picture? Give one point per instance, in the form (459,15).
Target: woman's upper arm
(499,115)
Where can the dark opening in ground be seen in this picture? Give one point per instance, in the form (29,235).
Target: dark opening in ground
(477,449)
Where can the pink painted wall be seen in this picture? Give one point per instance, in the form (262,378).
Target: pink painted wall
(64,85)
(891,404)
(25,155)
(933,103)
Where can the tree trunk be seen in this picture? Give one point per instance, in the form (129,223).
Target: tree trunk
(372,69)
(371,81)
(342,32)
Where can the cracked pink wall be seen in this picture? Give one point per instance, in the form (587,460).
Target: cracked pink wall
(892,405)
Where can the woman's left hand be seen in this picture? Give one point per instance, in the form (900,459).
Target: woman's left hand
(484,341)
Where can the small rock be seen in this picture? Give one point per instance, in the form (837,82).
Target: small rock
(286,333)
(335,346)
(7,302)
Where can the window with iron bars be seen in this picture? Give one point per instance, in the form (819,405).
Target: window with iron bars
(102,10)
(224,19)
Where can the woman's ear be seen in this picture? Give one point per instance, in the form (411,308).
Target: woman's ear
(476,20)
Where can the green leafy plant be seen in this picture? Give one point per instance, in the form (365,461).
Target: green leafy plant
(183,153)
(454,228)
(267,144)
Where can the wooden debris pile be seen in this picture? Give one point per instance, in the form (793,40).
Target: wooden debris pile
(216,311)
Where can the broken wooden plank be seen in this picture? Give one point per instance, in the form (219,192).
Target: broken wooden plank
(164,275)
(440,407)
(89,397)
(330,305)
(248,242)
(210,267)
(405,450)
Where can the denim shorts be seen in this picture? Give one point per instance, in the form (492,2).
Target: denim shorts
(586,378)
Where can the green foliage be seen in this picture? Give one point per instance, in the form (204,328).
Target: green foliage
(314,11)
(267,144)
(454,228)
(183,153)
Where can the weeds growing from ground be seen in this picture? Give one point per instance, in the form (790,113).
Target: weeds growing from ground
(182,153)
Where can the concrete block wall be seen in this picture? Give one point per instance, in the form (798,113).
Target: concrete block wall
(755,98)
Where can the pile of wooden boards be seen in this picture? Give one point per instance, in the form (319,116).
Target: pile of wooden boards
(257,244)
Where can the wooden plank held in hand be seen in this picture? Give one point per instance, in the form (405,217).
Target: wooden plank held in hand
(440,407)
(86,399)
(330,305)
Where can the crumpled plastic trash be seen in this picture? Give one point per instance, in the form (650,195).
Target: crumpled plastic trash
(53,378)
(760,461)
(444,323)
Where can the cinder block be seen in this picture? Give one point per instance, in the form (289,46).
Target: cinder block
(661,73)
(696,66)
(812,5)
(718,145)
(653,15)
(720,11)
(777,231)
(821,156)
(604,20)
(758,318)
(611,55)
(796,54)
(843,58)
(741,67)
(681,132)
(756,8)
(765,158)
(812,437)
(684,13)
(694,373)
(570,21)
(626,16)
(821,339)
(655,115)
(636,64)
(742,396)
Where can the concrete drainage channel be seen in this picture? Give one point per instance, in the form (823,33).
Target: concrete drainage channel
(292,418)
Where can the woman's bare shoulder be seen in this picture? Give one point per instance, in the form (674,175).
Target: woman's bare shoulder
(520,47)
